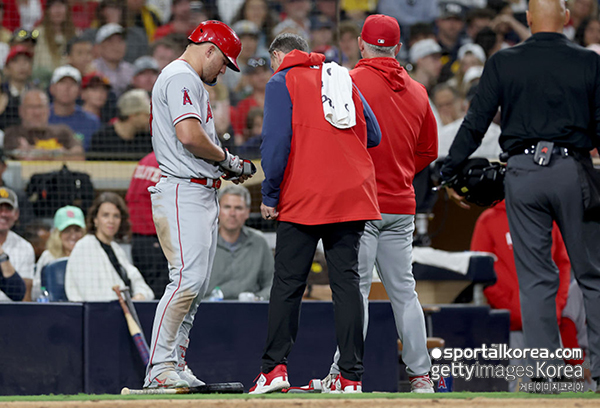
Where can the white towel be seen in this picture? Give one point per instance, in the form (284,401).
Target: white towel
(455,261)
(336,96)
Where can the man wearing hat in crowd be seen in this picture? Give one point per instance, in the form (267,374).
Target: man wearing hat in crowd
(425,57)
(237,85)
(20,36)
(111,46)
(65,87)
(128,134)
(450,25)
(145,73)
(35,138)
(17,70)
(95,92)
(258,74)
(408,145)
(16,254)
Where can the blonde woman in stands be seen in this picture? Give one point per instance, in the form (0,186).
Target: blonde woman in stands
(97,262)
(69,227)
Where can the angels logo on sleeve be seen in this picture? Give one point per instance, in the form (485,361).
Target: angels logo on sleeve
(209,113)
(186,96)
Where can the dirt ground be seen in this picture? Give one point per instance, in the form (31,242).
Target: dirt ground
(325,403)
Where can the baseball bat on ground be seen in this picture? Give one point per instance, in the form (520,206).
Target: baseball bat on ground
(134,329)
(215,388)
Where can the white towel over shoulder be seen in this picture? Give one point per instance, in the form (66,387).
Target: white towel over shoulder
(336,96)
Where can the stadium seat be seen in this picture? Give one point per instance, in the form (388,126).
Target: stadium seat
(53,279)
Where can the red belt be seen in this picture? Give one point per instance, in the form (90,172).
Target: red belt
(208,182)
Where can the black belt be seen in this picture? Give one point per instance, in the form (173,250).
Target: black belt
(556,150)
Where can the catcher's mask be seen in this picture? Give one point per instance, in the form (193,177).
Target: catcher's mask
(480,182)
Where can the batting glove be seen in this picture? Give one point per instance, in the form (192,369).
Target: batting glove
(234,166)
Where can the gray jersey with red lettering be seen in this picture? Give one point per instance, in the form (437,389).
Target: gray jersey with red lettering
(179,94)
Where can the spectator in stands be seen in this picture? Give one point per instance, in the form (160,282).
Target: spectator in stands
(25,211)
(128,136)
(236,82)
(17,72)
(243,261)
(80,54)
(114,11)
(95,89)
(221,109)
(22,13)
(257,12)
(469,55)
(111,49)
(35,138)
(250,148)
(145,73)
(19,37)
(426,58)
(180,20)
(145,247)
(97,262)
(259,73)
(296,19)
(492,235)
(448,103)
(450,25)
(16,254)
(69,227)
(508,27)
(37,233)
(321,32)
(477,19)
(139,14)
(408,13)
(588,32)
(65,88)
(348,33)
(165,50)
(56,30)
(580,10)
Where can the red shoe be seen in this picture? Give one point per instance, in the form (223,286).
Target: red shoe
(345,386)
(276,380)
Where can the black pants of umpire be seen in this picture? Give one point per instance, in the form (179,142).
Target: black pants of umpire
(149,258)
(294,252)
(535,197)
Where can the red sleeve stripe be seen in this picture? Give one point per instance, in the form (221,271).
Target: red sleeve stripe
(187,114)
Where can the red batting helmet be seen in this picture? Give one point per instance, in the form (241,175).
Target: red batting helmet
(222,36)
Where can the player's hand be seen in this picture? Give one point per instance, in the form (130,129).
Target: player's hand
(460,200)
(268,213)
(231,164)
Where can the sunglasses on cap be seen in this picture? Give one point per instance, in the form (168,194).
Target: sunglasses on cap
(22,35)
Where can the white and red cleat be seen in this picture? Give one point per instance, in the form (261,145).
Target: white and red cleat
(276,380)
(343,386)
(421,384)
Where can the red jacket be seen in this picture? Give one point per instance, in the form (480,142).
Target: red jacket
(146,174)
(492,234)
(409,140)
(315,173)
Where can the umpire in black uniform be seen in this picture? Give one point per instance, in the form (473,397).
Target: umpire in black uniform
(548,90)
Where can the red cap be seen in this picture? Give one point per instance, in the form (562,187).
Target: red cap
(94,78)
(381,30)
(222,36)
(18,50)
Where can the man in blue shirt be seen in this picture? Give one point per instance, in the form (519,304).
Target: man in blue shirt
(65,87)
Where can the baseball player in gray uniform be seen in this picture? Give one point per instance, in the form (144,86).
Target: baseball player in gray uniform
(184,201)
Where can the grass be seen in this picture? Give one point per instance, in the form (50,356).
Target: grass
(452,395)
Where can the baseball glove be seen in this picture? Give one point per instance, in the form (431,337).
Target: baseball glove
(480,182)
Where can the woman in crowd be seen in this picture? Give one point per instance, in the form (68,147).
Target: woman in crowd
(56,30)
(69,227)
(97,262)
(588,32)
(258,12)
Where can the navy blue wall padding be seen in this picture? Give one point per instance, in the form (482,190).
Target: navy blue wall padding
(68,348)
(481,270)
(227,341)
(40,348)
(53,279)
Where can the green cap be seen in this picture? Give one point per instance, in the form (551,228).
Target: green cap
(67,216)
